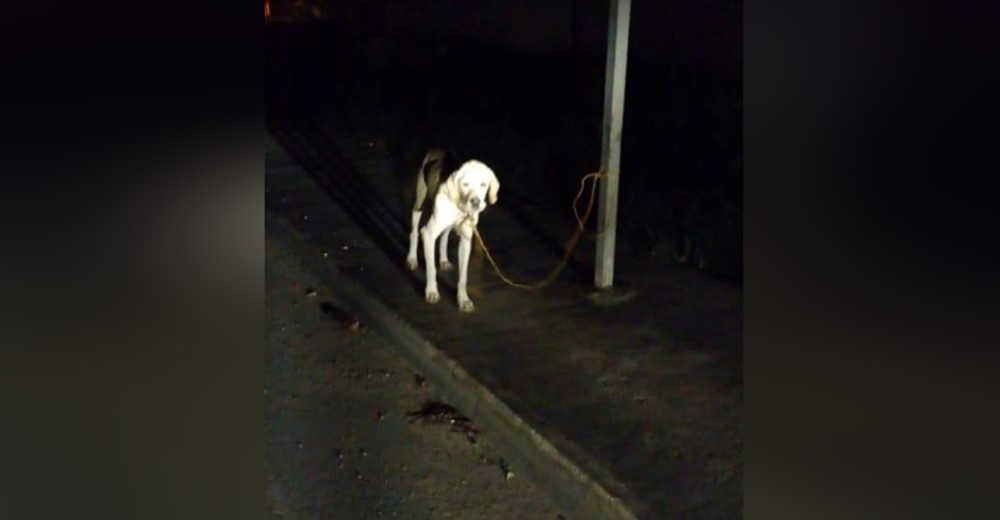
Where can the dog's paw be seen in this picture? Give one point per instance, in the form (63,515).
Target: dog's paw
(466,306)
(432,296)
(446,265)
(411,263)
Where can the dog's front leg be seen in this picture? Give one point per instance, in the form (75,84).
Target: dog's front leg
(464,249)
(443,262)
(429,234)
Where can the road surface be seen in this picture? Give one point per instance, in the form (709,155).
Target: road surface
(341,438)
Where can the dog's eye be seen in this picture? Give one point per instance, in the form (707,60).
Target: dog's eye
(465,185)
(482,184)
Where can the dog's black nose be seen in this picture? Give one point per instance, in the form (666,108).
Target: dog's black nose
(475,202)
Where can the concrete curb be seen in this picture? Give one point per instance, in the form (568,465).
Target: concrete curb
(575,492)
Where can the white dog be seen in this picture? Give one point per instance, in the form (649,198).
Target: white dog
(454,205)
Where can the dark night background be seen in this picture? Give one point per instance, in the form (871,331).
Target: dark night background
(520,85)
(867,111)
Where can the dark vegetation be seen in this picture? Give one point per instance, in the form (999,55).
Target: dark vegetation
(537,121)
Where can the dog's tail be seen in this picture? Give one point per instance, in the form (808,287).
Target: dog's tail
(428,178)
(438,163)
(444,158)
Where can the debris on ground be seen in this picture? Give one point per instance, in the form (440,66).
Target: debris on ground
(507,472)
(310,292)
(434,412)
(502,464)
(347,318)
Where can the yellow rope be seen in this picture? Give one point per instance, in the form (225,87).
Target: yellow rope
(570,245)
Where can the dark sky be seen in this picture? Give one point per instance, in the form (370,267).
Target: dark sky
(704,34)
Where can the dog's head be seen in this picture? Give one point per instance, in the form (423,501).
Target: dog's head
(476,184)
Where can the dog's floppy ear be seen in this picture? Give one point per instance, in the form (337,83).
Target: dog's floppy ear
(493,189)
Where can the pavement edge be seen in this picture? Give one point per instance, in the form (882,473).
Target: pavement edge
(573,490)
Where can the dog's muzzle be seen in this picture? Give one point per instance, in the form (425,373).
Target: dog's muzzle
(475,202)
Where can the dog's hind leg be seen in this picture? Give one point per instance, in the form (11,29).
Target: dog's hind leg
(411,256)
(418,204)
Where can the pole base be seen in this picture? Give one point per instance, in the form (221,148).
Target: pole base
(612,296)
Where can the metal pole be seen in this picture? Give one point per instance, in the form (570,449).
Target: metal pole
(611,140)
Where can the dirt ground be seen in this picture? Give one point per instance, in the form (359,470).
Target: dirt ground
(340,443)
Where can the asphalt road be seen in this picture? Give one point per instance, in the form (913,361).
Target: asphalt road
(340,440)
